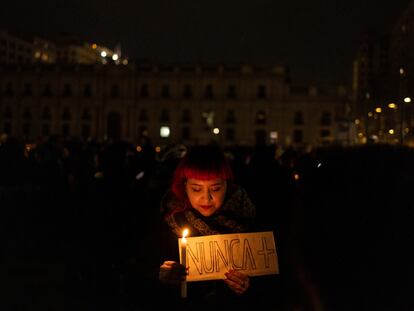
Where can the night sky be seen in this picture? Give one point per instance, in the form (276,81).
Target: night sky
(317,40)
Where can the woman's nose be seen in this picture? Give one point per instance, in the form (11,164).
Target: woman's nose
(207,195)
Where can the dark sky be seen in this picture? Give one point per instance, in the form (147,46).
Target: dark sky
(317,40)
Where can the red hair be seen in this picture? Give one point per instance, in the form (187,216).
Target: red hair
(200,162)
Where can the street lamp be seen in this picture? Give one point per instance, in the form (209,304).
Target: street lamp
(406,100)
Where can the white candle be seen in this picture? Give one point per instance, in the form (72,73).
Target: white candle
(183,260)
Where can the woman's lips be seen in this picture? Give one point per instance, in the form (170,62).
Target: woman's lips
(206,206)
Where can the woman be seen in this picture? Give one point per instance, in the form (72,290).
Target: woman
(204,199)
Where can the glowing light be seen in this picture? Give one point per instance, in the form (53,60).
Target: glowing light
(140,175)
(164,131)
(378,110)
(407,100)
(158,149)
(115,57)
(94,45)
(392,106)
(138,148)
(216,130)
(391,131)
(103,54)
(370,114)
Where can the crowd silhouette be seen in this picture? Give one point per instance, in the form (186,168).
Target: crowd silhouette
(74,214)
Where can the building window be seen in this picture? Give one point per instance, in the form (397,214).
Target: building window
(47,90)
(46,115)
(86,131)
(45,129)
(186,117)
(260,117)
(9,92)
(87,90)
(115,91)
(86,115)
(326,118)
(209,92)
(165,115)
(230,117)
(65,129)
(66,114)
(67,90)
(143,115)
(165,91)
(261,91)
(7,128)
(325,133)
(27,114)
(231,92)
(186,133)
(27,89)
(298,118)
(26,129)
(144,92)
(8,115)
(188,91)
(297,136)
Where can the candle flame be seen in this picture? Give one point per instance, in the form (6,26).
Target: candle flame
(185,233)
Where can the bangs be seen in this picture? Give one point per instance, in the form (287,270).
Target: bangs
(200,174)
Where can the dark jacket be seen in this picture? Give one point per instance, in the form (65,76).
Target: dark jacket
(236,215)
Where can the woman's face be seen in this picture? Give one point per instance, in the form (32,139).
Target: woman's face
(206,196)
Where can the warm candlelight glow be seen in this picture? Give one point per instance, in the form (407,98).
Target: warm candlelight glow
(185,233)
(184,261)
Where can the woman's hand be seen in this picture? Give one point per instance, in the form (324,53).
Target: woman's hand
(238,282)
(171,272)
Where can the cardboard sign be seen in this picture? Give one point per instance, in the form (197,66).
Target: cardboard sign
(209,257)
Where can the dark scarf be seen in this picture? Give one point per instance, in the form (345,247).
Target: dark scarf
(236,215)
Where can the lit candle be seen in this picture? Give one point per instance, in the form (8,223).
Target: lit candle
(183,260)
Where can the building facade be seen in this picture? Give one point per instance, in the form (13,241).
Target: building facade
(234,105)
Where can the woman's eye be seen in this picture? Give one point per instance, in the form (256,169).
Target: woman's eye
(195,189)
(215,189)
